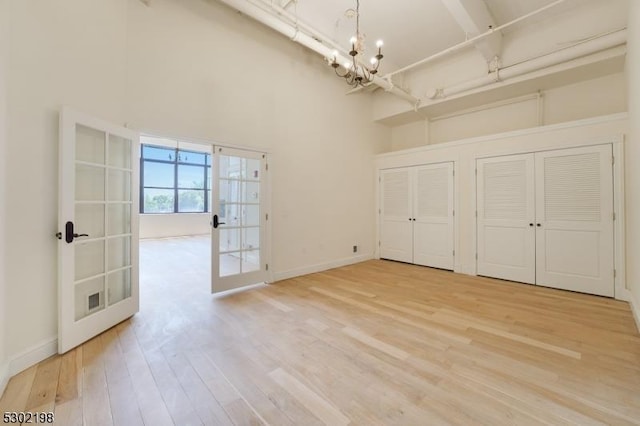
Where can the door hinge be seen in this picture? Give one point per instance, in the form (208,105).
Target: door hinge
(454,212)
(266,266)
(454,252)
(379,243)
(266,216)
(379,211)
(614,215)
(476,213)
(476,172)
(266,166)
(476,256)
(613,160)
(454,172)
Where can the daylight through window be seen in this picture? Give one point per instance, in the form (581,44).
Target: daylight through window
(174,180)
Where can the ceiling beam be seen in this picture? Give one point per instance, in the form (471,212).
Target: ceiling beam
(285,3)
(474,18)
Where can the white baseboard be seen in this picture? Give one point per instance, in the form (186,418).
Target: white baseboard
(4,377)
(284,275)
(634,304)
(33,355)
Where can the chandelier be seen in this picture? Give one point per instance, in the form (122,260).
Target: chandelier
(356,74)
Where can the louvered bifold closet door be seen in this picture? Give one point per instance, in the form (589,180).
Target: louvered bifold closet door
(433,213)
(396,239)
(574,210)
(506,212)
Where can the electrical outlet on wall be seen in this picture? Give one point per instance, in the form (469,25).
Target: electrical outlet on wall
(355,249)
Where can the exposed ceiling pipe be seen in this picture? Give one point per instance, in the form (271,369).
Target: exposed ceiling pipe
(578,50)
(296,22)
(472,40)
(266,18)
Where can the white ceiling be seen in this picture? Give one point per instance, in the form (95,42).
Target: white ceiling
(411,29)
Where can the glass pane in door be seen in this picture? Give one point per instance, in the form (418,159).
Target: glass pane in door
(239,198)
(103,202)
(89,145)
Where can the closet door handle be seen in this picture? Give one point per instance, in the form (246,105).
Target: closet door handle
(538,224)
(531,224)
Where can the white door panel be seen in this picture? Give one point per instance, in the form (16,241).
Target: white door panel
(396,238)
(433,213)
(506,251)
(505,209)
(574,210)
(432,245)
(98,227)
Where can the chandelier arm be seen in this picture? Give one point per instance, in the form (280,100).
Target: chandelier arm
(341,75)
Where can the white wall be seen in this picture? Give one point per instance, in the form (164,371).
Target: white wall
(192,69)
(174,225)
(633,154)
(464,154)
(72,53)
(497,119)
(590,98)
(410,135)
(4,19)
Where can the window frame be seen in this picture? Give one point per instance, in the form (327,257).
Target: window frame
(176,162)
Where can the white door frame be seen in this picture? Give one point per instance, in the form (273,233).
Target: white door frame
(267,194)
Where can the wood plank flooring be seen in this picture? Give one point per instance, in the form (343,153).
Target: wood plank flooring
(375,343)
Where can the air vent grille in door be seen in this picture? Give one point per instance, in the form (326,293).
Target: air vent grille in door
(572,187)
(396,193)
(433,192)
(505,186)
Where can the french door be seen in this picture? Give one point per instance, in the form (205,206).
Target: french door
(239,219)
(98,227)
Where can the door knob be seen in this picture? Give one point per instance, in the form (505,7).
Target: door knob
(215,221)
(531,224)
(538,224)
(69,233)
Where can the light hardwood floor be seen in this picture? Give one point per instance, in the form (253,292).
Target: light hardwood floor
(374,343)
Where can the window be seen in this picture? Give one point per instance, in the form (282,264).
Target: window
(174,180)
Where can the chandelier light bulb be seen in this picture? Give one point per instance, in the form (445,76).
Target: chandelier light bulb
(356,73)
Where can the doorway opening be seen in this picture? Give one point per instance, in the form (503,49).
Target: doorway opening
(203,210)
